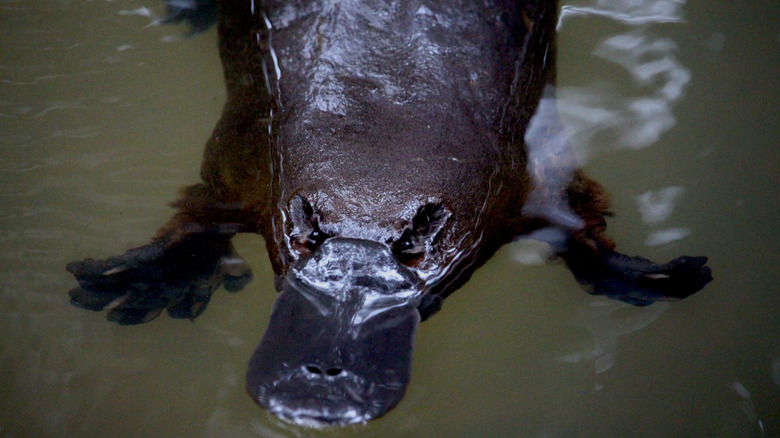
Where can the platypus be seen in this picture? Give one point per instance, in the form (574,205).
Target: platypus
(384,149)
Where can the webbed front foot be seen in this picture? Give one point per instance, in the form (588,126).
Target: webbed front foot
(637,280)
(136,286)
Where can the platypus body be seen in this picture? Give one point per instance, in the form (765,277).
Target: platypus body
(384,149)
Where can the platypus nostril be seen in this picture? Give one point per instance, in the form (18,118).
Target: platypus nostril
(333,371)
(314,369)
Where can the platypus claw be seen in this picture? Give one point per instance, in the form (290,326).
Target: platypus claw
(135,287)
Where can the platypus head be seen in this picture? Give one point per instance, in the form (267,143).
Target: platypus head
(369,220)
(338,346)
(339,343)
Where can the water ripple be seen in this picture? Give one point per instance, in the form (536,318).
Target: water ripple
(636,122)
(632,12)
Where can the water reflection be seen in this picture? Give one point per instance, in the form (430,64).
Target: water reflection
(627,11)
(599,319)
(747,406)
(635,122)
(656,206)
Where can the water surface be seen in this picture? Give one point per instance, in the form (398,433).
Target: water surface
(672,105)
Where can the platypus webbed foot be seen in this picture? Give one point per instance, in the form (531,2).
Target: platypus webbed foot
(637,280)
(136,286)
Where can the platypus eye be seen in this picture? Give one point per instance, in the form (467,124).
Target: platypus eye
(404,243)
(315,239)
(419,235)
(305,233)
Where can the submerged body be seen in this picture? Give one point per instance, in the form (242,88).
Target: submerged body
(384,150)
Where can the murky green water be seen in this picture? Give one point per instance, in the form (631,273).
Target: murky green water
(103,118)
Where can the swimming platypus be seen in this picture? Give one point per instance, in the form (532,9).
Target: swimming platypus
(384,149)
